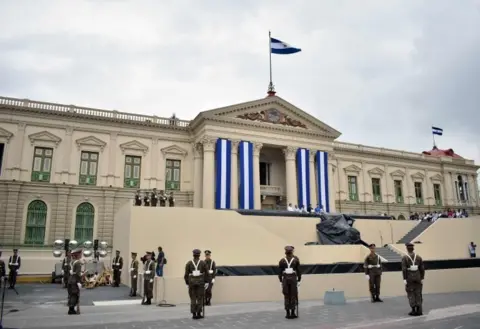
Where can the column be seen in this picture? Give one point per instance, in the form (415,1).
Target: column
(331,184)
(112,160)
(447,194)
(454,189)
(291,175)
(471,190)
(388,196)
(17,145)
(475,184)
(11,212)
(208,173)
(197,174)
(257,147)
(234,170)
(154,163)
(67,149)
(313,181)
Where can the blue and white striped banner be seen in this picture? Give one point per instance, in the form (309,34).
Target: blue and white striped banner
(322,180)
(245,162)
(223,173)
(303,178)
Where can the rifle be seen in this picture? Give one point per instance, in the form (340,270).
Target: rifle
(78,301)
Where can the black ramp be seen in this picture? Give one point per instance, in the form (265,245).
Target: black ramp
(337,229)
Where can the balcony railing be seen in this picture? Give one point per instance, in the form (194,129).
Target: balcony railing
(271,190)
(92,112)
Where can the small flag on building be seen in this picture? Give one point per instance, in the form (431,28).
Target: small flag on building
(437,131)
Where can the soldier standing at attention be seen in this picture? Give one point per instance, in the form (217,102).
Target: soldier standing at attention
(75,282)
(133,275)
(117,266)
(148,275)
(413,275)
(373,273)
(212,272)
(154,198)
(14,263)
(3,271)
(171,200)
(196,279)
(163,198)
(138,198)
(66,267)
(290,277)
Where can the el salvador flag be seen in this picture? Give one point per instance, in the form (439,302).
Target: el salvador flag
(282,48)
(437,131)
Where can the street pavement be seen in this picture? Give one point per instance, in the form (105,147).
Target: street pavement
(37,308)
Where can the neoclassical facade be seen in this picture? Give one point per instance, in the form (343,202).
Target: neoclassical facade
(65,169)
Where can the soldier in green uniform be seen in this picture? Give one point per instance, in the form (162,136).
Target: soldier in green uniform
(117,267)
(133,275)
(373,273)
(212,272)
(3,271)
(66,267)
(290,277)
(148,276)
(75,282)
(196,279)
(413,274)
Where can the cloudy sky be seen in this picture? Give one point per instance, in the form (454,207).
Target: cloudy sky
(380,71)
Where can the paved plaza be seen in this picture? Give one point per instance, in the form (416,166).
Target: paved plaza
(43,306)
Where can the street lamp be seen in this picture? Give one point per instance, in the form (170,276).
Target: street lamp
(60,246)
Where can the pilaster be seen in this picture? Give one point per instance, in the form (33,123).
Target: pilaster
(234,170)
(197,174)
(60,224)
(313,181)
(208,172)
(112,160)
(67,151)
(105,230)
(10,220)
(154,163)
(291,175)
(257,147)
(17,151)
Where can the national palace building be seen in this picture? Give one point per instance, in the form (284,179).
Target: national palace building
(64,169)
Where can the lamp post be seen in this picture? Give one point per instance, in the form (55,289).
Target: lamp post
(96,249)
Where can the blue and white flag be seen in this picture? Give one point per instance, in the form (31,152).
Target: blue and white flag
(223,175)
(437,131)
(322,180)
(281,48)
(245,153)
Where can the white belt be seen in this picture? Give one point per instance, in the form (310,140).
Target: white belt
(14,264)
(210,272)
(372,266)
(118,264)
(413,268)
(289,271)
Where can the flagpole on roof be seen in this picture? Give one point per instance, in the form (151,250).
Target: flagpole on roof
(271,88)
(433,135)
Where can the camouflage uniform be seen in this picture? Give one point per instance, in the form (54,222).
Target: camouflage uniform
(133,275)
(196,278)
(66,267)
(148,278)
(212,272)
(413,272)
(373,269)
(74,284)
(290,277)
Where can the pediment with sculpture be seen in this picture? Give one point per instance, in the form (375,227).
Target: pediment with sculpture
(273,116)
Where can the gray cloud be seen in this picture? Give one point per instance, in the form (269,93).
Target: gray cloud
(381,72)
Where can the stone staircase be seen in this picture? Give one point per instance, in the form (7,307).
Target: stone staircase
(414,232)
(389,254)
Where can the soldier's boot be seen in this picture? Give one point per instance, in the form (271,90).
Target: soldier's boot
(207,302)
(134,294)
(200,315)
(413,312)
(194,316)
(148,302)
(419,311)
(71,310)
(288,315)
(378,299)
(374,299)
(294,315)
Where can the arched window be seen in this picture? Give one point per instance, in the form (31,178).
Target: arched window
(36,222)
(401,217)
(85,217)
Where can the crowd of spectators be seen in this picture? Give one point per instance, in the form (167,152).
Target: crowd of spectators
(433,216)
(306,210)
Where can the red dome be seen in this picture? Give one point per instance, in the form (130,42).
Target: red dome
(436,152)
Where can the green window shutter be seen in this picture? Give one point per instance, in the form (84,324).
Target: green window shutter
(36,223)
